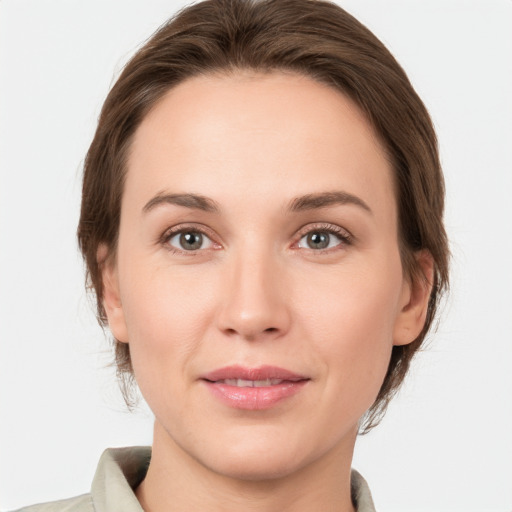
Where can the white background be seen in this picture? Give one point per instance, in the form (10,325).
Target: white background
(446,443)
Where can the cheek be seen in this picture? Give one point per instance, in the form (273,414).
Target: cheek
(166,315)
(350,317)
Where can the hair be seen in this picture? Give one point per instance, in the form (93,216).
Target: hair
(313,38)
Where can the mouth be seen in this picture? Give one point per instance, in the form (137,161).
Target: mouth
(253,388)
(244,383)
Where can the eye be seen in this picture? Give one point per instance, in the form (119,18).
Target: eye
(322,239)
(189,240)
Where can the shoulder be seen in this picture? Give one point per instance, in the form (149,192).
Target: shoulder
(81,503)
(361,495)
(119,472)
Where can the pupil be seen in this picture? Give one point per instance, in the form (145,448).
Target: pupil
(191,241)
(318,240)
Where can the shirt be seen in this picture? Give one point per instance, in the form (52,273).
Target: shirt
(121,470)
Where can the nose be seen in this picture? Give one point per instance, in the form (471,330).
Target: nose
(254,305)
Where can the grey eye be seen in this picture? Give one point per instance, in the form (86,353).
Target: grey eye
(190,241)
(319,240)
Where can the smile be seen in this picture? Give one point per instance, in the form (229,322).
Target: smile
(243,383)
(253,388)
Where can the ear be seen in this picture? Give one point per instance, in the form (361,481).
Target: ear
(111,297)
(414,301)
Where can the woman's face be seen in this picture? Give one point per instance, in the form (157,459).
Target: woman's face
(258,278)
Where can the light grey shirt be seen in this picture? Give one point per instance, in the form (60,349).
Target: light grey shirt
(121,470)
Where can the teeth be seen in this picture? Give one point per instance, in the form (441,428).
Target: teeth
(242,383)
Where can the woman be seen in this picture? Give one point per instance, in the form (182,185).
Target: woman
(262,224)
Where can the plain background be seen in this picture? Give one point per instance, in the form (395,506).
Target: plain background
(446,443)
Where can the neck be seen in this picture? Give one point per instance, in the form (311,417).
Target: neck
(176,482)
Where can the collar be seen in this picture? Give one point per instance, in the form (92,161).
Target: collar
(121,470)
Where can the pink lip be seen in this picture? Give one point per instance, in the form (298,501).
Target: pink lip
(253,398)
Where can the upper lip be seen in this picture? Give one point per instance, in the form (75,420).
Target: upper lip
(259,373)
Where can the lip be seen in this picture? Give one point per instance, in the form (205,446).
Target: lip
(254,398)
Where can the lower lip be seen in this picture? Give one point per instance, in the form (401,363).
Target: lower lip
(255,399)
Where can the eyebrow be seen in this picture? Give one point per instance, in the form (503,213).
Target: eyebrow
(298,204)
(193,201)
(326,199)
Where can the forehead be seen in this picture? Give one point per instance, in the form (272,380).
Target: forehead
(274,134)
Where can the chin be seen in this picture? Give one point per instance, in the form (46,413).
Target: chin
(262,458)
(257,467)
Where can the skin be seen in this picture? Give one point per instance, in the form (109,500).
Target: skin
(256,293)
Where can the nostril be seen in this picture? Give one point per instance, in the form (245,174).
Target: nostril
(251,335)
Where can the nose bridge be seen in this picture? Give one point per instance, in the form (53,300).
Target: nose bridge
(254,302)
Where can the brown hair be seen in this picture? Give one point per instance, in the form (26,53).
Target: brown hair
(311,37)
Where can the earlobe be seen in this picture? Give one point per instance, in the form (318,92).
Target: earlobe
(415,299)
(111,296)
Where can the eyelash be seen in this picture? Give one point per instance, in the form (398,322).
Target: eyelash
(345,238)
(172,232)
